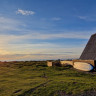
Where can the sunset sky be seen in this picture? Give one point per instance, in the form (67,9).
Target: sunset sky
(45,29)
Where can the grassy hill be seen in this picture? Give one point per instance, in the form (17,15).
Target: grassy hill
(34,78)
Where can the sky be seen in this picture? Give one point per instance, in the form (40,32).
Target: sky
(45,29)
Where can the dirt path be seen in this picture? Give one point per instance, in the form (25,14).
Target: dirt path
(28,92)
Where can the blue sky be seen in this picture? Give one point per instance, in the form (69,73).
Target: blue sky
(45,29)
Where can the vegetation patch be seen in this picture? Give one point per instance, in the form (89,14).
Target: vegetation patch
(34,78)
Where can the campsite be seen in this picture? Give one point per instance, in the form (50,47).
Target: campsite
(47,47)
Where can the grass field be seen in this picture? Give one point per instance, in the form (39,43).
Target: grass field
(36,79)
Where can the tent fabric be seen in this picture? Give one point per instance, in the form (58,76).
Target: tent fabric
(89,52)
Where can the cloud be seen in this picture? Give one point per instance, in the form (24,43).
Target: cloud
(65,34)
(17,43)
(23,57)
(16,27)
(8,25)
(82,17)
(56,18)
(88,18)
(25,12)
(8,46)
(2,51)
(12,29)
(73,35)
(6,38)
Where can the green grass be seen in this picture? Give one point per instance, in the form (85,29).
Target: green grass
(36,79)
